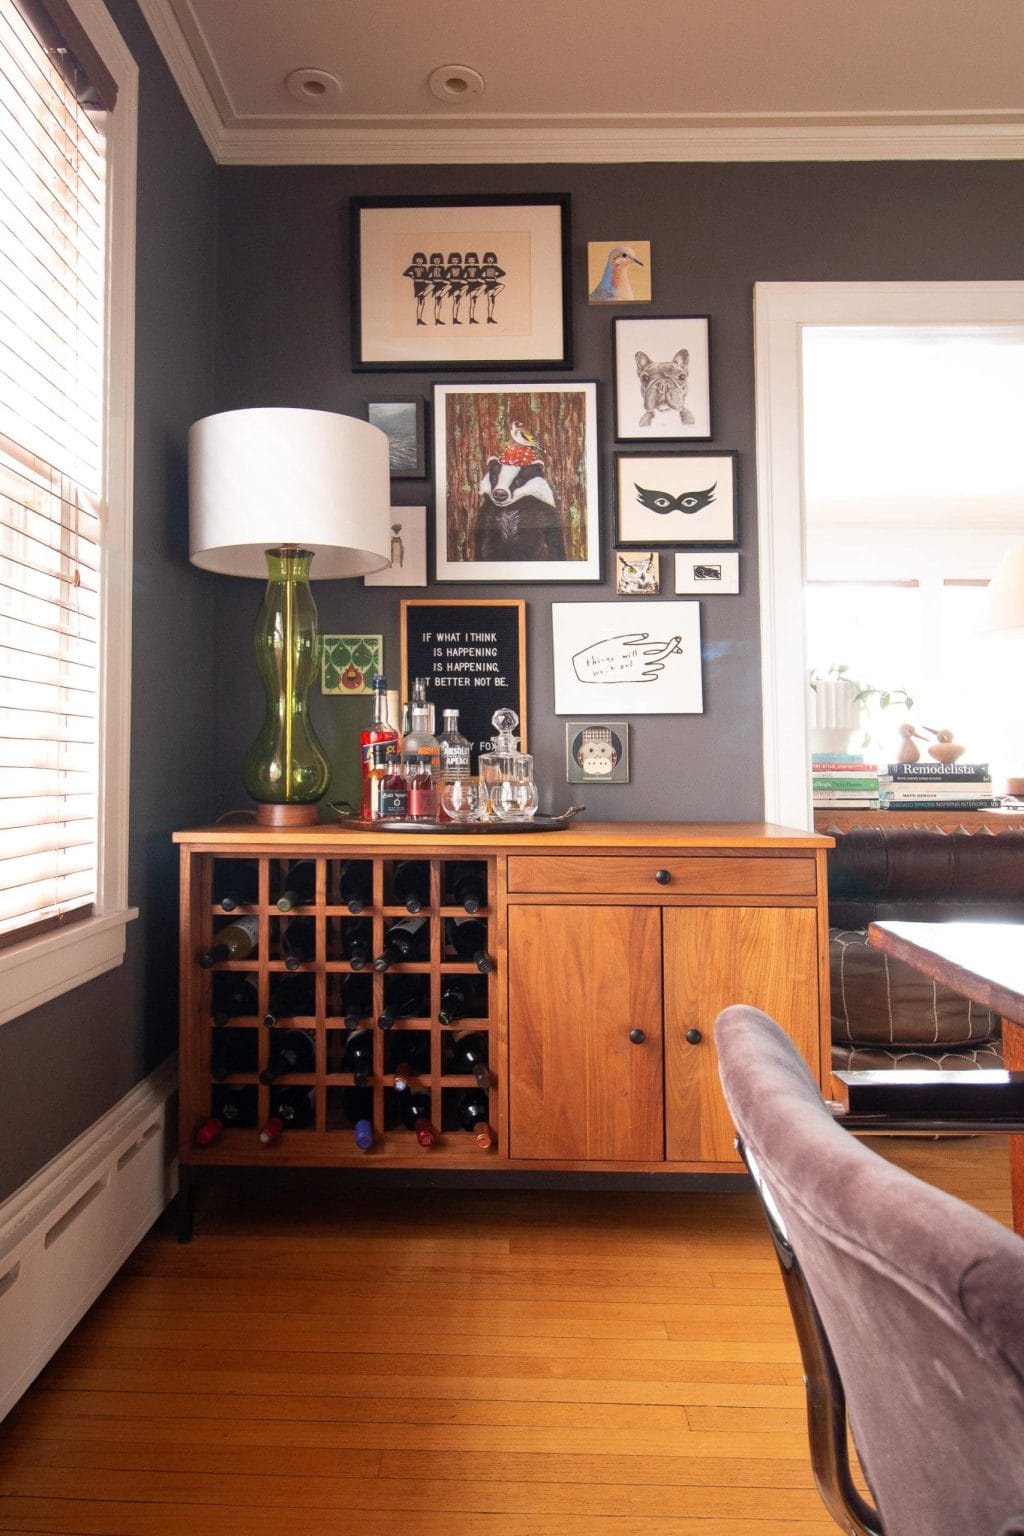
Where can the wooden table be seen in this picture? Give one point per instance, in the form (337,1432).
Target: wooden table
(985,962)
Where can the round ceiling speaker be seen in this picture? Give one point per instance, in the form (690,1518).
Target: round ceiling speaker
(313,86)
(454,82)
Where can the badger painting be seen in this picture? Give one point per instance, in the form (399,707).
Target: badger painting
(518,517)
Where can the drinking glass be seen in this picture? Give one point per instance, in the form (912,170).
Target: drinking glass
(464,799)
(513,793)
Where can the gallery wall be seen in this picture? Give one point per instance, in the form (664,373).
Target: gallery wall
(284,285)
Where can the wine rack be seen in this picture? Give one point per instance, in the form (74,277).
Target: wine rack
(327,1017)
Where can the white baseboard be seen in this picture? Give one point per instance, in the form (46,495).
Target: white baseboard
(65,1233)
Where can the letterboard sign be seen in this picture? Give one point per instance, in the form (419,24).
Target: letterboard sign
(473,656)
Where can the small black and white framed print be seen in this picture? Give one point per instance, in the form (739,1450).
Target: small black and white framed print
(710,571)
(662,378)
(402,420)
(637,573)
(596,752)
(675,498)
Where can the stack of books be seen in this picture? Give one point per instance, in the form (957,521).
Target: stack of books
(844,781)
(937,787)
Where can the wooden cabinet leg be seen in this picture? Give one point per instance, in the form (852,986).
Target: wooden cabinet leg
(1013,1058)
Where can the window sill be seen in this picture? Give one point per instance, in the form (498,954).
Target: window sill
(42,968)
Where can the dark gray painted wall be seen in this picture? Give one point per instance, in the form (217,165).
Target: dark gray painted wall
(283,294)
(64,1064)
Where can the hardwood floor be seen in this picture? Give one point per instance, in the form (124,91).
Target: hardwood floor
(407,1364)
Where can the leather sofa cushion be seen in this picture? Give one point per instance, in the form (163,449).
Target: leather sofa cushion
(880,1001)
(986,1057)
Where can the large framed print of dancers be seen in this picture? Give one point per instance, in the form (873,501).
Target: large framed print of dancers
(516,482)
(463,282)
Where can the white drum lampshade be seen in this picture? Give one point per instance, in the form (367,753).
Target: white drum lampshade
(1003,610)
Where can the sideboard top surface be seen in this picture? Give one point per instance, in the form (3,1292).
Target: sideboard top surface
(331,837)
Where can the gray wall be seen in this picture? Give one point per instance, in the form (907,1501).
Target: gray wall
(64,1064)
(283,296)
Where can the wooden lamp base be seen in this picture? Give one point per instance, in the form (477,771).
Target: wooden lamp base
(268,815)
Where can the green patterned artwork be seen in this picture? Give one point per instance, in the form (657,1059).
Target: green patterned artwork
(348,663)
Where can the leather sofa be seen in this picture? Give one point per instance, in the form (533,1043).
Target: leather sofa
(884,1013)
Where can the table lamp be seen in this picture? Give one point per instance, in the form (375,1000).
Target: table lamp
(269,489)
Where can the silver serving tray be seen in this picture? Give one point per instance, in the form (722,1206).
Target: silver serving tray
(538,823)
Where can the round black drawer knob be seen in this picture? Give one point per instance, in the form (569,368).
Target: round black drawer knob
(694,1037)
(663,876)
(637,1036)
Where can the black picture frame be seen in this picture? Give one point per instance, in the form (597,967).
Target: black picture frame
(407,444)
(708,479)
(512,312)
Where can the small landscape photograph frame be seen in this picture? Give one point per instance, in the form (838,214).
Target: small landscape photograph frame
(676,498)
(461,282)
(402,419)
(662,378)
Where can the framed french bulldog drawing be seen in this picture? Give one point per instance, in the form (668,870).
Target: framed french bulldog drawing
(662,379)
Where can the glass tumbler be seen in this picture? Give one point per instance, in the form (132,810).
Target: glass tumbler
(464,799)
(513,793)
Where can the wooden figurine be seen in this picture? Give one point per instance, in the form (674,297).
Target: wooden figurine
(909,752)
(944,749)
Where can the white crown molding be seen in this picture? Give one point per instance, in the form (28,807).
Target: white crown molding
(627,140)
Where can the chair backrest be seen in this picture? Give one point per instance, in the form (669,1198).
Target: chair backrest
(919,1297)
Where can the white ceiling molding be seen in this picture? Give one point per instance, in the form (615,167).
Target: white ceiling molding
(626,139)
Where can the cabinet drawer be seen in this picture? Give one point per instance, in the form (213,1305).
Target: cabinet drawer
(638,875)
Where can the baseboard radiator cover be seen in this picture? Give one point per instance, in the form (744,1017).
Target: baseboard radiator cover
(66,1232)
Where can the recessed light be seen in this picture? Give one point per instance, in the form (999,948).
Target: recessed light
(454,82)
(313,86)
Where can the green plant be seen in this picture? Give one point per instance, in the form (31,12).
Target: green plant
(840,672)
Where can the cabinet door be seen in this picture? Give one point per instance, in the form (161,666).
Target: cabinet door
(580,978)
(715,956)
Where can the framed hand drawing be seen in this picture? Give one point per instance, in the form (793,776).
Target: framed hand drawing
(675,498)
(461,282)
(516,482)
(662,379)
(611,658)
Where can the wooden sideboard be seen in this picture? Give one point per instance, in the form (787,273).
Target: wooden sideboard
(946,821)
(614,946)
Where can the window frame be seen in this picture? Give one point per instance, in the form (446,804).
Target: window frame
(53,962)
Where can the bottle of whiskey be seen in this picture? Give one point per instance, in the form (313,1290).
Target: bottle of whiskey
(377,743)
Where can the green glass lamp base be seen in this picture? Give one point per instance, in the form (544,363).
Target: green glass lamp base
(286,768)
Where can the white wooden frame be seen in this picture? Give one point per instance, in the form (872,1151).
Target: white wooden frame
(781,311)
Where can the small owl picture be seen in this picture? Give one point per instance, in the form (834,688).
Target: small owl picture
(677,498)
(637,573)
(596,752)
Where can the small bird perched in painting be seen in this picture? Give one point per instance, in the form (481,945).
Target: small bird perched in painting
(615,286)
(523,449)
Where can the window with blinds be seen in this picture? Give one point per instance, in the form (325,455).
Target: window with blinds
(52,366)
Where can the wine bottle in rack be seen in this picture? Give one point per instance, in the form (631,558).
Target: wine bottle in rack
(414,1108)
(298,942)
(355,885)
(357,1104)
(356,999)
(299,886)
(232,1108)
(232,1051)
(467,887)
(408,1055)
(358,1055)
(468,938)
(473,1112)
(291,1050)
(290,997)
(357,944)
(236,941)
(290,1109)
(233,997)
(469,1057)
(454,1001)
(410,885)
(407,999)
(404,941)
(236,884)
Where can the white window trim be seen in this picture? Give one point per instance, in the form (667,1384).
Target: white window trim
(781,310)
(42,968)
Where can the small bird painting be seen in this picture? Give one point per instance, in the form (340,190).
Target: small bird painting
(523,449)
(615,285)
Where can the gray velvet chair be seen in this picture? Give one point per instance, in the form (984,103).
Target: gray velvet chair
(908,1305)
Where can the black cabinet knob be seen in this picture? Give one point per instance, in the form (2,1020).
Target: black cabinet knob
(694,1037)
(637,1036)
(663,876)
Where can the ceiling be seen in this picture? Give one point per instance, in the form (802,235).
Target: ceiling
(598,80)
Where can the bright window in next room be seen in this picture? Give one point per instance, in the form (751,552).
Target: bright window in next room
(67,117)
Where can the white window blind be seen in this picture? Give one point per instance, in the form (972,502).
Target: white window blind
(52,328)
